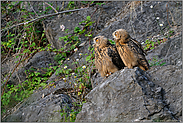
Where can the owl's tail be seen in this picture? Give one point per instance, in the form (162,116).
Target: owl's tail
(143,63)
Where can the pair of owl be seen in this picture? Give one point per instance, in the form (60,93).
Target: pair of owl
(126,53)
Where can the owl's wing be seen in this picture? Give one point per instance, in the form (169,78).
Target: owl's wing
(98,58)
(115,57)
(139,53)
(139,45)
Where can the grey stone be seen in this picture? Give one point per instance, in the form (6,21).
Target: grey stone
(141,21)
(101,16)
(43,105)
(125,96)
(38,61)
(170,52)
(170,78)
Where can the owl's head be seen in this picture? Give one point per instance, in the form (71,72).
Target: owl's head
(120,34)
(100,41)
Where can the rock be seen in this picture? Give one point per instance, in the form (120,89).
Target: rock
(97,79)
(140,21)
(70,21)
(170,52)
(40,60)
(170,78)
(125,96)
(43,106)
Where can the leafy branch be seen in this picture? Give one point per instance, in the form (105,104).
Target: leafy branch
(44,16)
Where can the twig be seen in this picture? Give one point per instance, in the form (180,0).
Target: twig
(13,71)
(33,9)
(6,57)
(51,7)
(91,76)
(44,16)
(9,78)
(167,14)
(62,5)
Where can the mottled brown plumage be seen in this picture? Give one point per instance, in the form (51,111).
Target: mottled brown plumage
(107,59)
(130,50)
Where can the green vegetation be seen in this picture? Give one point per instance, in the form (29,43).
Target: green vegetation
(26,40)
(155,62)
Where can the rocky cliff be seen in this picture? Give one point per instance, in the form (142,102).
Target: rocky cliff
(127,95)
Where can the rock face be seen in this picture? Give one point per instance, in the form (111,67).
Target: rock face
(100,15)
(141,22)
(170,79)
(127,95)
(170,52)
(38,61)
(43,106)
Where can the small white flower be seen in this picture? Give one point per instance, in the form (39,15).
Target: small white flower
(75,49)
(64,78)
(77,59)
(62,27)
(65,67)
(80,54)
(151,6)
(84,67)
(157,18)
(136,120)
(161,24)
(73,73)
(68,59)
(142,43)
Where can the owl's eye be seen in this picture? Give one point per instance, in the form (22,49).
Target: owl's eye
(115,34)
(96,40)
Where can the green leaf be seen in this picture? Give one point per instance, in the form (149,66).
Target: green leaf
(82,22)
(89,24)
(112,42)
(48,45)
(152,43)
(162,63)
(88,58)
(16,61)
(77,29)
(152,48)
(79,93)
(33,44)
(147,41)
(80,79)
(89,35)
(13,3)
(88,18)
(17,56)
(37,73)
(82,31)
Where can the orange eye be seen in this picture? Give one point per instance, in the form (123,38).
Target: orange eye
(96,40)
(115,34)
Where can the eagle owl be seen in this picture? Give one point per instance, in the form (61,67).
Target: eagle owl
(130,50)
(107,59)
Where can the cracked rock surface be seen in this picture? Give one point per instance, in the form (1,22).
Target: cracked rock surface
(127,95)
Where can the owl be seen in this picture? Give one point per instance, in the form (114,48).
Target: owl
(107,59)
(130,50)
